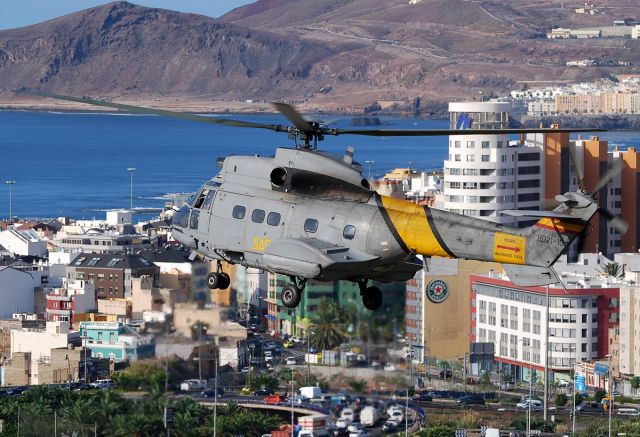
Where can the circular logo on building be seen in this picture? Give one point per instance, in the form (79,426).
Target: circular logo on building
(437,291)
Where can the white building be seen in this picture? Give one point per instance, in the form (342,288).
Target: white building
(485,173)
(25,242)
(40,342)
(16,291)
(119,217)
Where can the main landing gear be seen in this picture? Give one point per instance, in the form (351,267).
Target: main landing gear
(292,293)
(218,279)
(371,296)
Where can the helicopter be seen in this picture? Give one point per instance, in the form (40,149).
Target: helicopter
(309,214)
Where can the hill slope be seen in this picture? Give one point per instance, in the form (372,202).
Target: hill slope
(336,54)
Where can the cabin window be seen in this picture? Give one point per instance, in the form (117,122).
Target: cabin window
(193,223)
(349,232)
(209,199)
(257,216)
(200,199)
(239,212)
(311,225)
(273,219)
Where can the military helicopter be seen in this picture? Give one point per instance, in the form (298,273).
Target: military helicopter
(308,214)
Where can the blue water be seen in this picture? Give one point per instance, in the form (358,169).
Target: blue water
(76,164)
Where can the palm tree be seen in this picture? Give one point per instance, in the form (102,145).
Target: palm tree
(613,269)
(76,416)
(326,330)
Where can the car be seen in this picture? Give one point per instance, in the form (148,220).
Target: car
(291,361)
(396,416)
(563,382)
(264,391)
(590,407)
(103,384)
(423,397)
(297,339)
(628,412)
(288,344)
(79,386)
(389,427)
(274,399)
(470,400)
(390,368)
(211,393)
(535,404)
(347,414)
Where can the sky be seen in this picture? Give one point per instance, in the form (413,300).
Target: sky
(18,13)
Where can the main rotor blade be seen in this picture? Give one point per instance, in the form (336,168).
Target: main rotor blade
(576,167)
(615,220)
(294,116)
(610,174)
(161,112)
(445,132)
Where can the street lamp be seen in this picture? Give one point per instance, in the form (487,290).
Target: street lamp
(131,170)
(610,391)
(369,165)
(10,184)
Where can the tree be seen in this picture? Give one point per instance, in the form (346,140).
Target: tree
(599,394)
(561,400)
(327,331)
(635,382)
(612,269)
(358,385)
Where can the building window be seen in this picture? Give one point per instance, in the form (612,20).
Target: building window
(471,144)
(456,158)
(485,144)
(454,185)
(485,158)
(471,158)
(457,144)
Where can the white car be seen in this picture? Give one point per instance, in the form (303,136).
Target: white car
(297,339)
(291,361)
(193,384)
(536,405)
(627,412)
(347,414)
(396,416)
(103,384)
(563,383)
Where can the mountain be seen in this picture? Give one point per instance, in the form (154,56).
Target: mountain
(343,55)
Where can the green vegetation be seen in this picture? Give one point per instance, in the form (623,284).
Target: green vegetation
(635,382)
(613,269)
(141,375)
(107,413)
(599,394)
(442,430)
(618,427)
(327,331)
(358,385)
(561,400)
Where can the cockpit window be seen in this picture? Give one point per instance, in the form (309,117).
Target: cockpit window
(201,198)
(311,225)
(239,212)
(209,199)
(193,223)
(257,216)
(181,218)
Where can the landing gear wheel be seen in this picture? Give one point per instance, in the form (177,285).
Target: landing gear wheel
(372,298)
(213,280)
(225,281)
(291,296)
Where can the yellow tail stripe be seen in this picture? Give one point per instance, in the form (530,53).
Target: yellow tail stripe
(411,224)
(560,225)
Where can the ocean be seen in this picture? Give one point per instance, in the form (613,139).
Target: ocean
(75,164)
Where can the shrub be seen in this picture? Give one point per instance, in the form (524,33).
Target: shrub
(561,400)
(599,395)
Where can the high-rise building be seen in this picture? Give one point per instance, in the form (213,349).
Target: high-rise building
(487,173)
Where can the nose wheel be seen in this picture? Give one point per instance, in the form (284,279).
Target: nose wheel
(292,293)
(371,296)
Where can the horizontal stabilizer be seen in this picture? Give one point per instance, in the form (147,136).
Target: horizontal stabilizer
(527,276)
(541,214)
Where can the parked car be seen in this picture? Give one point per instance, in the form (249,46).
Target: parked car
(288,344)
(563,382)
(291,361)
(347,414)
(263,392)
(471,400)
(396,416)
(274,399)
(103,384)
(211,393)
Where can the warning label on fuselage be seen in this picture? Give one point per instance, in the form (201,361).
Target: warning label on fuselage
(509,248)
